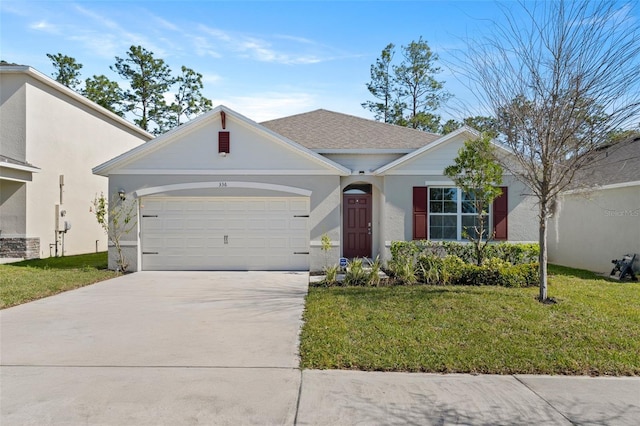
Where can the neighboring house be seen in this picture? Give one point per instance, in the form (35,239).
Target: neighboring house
(50,137)
(599,220)
(224,192)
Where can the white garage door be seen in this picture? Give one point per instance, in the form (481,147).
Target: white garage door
(225,233)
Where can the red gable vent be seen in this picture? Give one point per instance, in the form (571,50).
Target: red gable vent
(224,142)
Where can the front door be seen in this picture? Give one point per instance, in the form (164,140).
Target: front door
(357,225)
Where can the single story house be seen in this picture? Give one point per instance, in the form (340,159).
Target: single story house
(224,192)
(599,219)
(50,136)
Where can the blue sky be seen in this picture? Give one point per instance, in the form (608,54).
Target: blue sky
(264,59)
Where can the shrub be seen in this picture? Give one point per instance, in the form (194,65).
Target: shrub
(331,275)
(403,269)
(373,278)
(402,265)
(451,263)
(430,268)
(514,253)
(356,274)
(499,273)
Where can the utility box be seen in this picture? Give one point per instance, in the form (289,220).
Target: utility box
(62,222)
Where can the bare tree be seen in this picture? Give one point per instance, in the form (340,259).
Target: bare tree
(561,77)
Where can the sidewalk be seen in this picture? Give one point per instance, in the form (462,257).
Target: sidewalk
(332,397)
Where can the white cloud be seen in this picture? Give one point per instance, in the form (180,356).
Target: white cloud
(211,78)
(263,50)
(269,105)
(202,47)
(93,34)
(45,26)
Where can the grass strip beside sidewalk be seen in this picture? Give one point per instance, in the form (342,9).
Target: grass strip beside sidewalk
(593,330)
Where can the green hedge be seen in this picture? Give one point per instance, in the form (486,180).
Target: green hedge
(452,263)
(514,253)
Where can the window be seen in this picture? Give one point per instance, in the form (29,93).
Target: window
(444,213)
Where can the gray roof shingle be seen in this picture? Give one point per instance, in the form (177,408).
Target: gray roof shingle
(328,130)
(617,164)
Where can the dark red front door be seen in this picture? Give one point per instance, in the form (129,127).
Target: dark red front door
(357,225)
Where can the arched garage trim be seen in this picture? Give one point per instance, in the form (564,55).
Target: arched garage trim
(221,185)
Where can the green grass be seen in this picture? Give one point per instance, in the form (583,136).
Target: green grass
(34,279)
(594,329)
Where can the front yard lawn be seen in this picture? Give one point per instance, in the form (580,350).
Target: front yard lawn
(594,329)
(34,279)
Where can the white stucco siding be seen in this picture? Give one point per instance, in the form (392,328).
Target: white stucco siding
(12,120)
(13,202)
(590,229)
(65,137)
(196,152)
(432,161)
(364,162)
(324,201)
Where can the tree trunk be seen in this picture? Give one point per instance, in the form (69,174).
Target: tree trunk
(543,254)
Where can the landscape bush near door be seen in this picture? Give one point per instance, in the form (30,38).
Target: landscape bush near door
(452,263)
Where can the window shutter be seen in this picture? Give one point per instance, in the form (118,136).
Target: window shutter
(500,212)
(420,213)
(224,142)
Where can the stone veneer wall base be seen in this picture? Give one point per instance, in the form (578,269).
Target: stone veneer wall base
(19,247)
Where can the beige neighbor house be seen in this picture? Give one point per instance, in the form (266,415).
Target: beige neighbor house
(50,137)
(600,221)
(224,192)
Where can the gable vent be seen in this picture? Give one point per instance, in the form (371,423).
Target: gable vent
(224,143)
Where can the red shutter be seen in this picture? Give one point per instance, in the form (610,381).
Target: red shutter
(224,143)
(420,214)
(500,212)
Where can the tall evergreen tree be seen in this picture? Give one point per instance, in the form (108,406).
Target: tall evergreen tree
(150,79)
(104,92)
(67,70)
(417,87)
(189,100)
(407,94)
(381,86)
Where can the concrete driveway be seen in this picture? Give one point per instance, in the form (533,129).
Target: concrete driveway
(156,348)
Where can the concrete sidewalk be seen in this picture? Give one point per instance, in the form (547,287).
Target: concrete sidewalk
(355,397)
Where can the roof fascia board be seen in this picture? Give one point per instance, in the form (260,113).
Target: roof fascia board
(364,151)
(24,69)
(602,187)
(20,167)
(218,172)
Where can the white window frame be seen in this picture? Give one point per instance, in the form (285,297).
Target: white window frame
(459,214)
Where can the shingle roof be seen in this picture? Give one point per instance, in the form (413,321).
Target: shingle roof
(322,129)
(617,164)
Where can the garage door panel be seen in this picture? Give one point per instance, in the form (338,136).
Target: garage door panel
(298,224)
(296,206)
(277,224)
(189,233)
